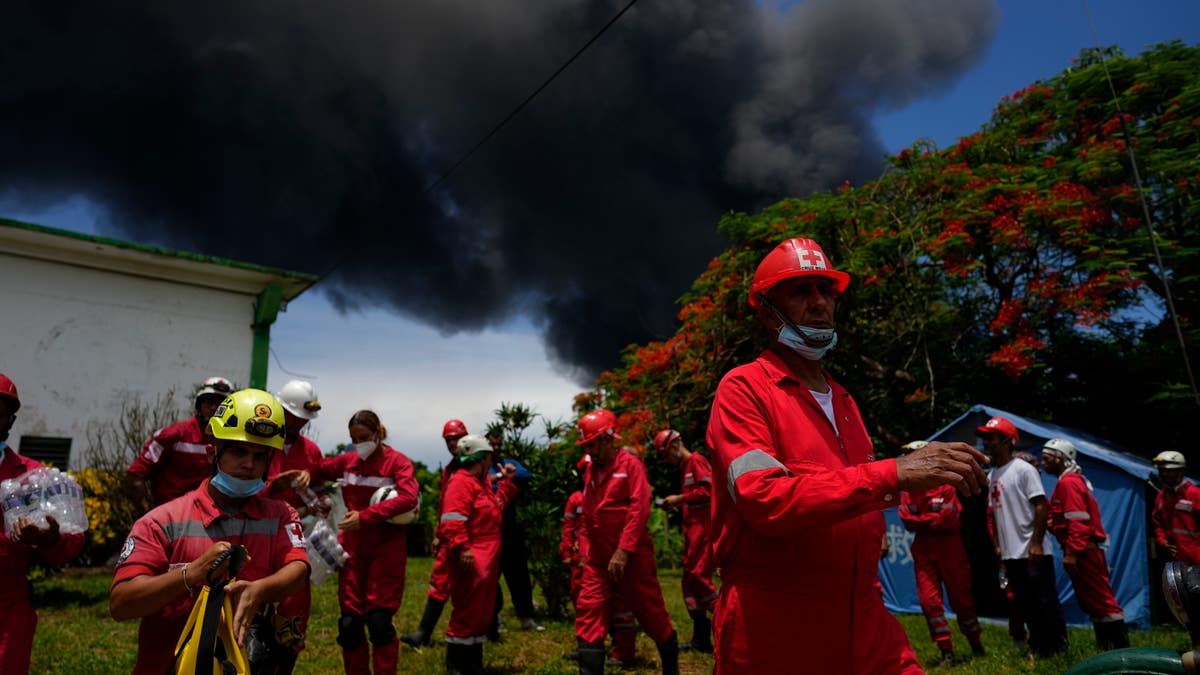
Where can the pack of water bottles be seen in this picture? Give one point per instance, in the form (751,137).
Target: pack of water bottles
(40,493)
(325,554)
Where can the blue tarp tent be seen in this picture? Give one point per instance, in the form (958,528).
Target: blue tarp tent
(1119,479)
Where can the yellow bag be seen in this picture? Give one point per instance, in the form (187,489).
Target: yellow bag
(207,638)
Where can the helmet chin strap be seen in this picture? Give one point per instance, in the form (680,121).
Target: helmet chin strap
(815,343)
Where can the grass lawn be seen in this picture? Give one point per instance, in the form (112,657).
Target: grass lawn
(76,635)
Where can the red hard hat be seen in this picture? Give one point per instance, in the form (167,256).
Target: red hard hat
(664,438)
(999,425)
(594,424)
(454,428)
(794,258)
(9,391)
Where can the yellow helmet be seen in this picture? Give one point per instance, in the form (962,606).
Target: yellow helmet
(250,416)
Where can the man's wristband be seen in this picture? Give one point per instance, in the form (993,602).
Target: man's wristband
(187,588)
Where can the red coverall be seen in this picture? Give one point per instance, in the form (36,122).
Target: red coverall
(174,461)
(303,455)
(940,557)
(699,594)
(180,531)
(616,507)
(439,577)
(471,521)
(623,624)
(568,548)
(1075,522)
(797,523)
(1177,521)
(20,620)
(373,578)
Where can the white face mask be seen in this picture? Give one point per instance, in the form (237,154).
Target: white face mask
(365,448)
(802,342)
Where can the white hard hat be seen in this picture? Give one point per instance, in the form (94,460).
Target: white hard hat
(1061,447)
(471,444)
(299,398)
(214,386)
(1170,460)
(388,492)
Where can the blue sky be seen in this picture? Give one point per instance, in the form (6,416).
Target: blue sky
(416,378)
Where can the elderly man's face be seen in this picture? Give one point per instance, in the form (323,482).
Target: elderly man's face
(807,301)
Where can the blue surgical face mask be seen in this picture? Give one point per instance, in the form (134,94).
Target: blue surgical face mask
(237,488)
(801,339)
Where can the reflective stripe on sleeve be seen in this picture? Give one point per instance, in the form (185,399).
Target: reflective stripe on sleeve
(369,481)
(154,452)
(1077,515)
(754,460)
(451,515)
(191,448)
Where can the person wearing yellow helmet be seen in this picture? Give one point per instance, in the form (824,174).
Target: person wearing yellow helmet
(177,547)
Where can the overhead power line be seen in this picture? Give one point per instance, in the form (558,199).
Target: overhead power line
(1137,178)
(507,118)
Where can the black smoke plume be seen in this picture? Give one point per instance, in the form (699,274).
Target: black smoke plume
(299,134)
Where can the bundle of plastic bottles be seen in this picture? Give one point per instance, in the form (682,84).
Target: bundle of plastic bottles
(325,554)
(40,493)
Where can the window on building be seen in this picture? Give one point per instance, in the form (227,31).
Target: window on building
(55,452)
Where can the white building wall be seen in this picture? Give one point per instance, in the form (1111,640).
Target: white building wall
(76,340)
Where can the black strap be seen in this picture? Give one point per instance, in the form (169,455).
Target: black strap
(236,555)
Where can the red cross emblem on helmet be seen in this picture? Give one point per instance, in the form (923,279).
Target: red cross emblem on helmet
(794,258)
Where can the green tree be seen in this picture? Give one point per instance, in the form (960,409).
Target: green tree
(1012,268)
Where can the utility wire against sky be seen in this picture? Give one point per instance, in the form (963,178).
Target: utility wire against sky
(1137,178)
(502,123)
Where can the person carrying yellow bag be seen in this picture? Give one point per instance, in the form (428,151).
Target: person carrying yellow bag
(208,634)
(175,548)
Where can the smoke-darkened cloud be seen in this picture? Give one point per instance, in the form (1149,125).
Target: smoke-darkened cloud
(300,134)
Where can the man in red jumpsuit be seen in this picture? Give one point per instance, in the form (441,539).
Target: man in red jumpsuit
(173,461)
(1177,510)
(16,553)
(469,529)
(439,578)
(797,495)
(695,499)
(568,546)
(1075,522)
(939,557)
(300,405)
(171,550)
(616,548)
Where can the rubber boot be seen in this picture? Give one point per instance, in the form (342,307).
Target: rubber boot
(357,661)
(384,658)
(474,658)
(1111,635)
(591,658)
(624,640)
(668,653)
(701,635)
(423,635)
(459,659)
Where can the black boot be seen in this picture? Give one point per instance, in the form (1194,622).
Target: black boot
(701,635)
(423,635)
(454,659)
(668,653)
(1111,635)
(591,658)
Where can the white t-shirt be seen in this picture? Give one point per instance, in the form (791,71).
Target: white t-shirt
(1010,488)
(825,399)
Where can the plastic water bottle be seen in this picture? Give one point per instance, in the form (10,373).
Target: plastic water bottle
(13,499)
(66,503)
(34,484)
(325,554)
